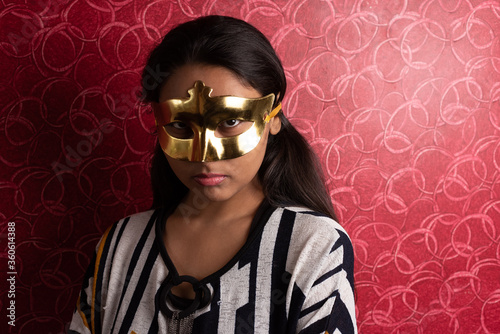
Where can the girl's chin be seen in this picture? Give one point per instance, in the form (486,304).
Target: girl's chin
(203,195)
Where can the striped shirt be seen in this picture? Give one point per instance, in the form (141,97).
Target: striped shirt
(293,275)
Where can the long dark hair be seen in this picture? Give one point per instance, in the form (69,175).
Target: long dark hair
(290,173)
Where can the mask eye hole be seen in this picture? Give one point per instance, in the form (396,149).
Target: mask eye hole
(232,127)
(179,130)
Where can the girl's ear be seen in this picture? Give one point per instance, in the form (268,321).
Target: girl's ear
(275,125)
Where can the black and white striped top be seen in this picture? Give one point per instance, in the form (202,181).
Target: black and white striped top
(293,275)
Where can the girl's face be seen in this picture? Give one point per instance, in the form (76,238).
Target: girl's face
(219,180)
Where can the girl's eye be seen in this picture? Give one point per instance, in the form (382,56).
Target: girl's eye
(232,127)
(230,123)
(179,130)
(178,125)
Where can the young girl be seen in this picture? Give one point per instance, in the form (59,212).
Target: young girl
(242,237)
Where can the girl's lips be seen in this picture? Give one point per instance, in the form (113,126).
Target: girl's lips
(209,179)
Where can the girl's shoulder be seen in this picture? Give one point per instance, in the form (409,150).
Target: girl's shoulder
(129,230)
(138,222)
(309,221)
(309,234)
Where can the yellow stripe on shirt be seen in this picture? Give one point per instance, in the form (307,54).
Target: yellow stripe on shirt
(81,313)
(96,270)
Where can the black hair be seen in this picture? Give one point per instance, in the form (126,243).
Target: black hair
(290,173)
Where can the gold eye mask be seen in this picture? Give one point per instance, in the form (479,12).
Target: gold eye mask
(205,128)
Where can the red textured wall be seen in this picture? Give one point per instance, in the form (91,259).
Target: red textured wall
(400,99)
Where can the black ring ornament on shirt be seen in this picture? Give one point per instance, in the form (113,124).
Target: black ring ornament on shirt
(202,295)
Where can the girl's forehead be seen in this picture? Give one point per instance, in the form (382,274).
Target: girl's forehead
(222,80)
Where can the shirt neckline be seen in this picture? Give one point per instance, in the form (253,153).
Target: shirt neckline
(260,219)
